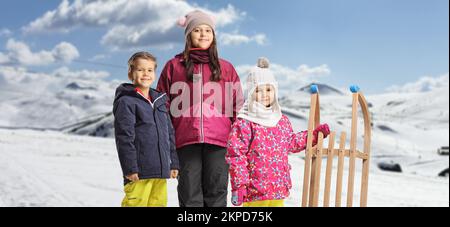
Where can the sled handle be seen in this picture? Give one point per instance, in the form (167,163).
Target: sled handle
(314,89)
(359,100)
(313,122)
(354,88)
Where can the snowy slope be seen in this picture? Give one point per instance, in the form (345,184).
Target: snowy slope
(38,100)
(407,127)
(56,169)
(101,125)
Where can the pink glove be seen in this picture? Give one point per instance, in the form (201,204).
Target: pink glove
(237,197)
(321,128)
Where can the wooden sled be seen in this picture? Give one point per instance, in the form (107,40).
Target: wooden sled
(314,155)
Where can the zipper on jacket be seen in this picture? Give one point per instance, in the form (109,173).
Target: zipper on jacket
(151,103)
(202,136)
(157,129)
(159,147)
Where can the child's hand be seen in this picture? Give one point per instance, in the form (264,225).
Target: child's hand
(237,197)
(321,128)
(133,177)
(173,173)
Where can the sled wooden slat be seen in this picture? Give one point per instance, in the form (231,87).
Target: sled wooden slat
(340,169)
(351,168)
(316,175)
(314,160)
(309,150)
(330,155)
(367,141)
(312,181)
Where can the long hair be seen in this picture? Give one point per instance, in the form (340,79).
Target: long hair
(214,63)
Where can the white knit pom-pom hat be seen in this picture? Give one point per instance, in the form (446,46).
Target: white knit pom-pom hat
(254,111)
(260,75)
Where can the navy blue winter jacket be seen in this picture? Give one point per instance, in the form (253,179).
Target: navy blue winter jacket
(144,134)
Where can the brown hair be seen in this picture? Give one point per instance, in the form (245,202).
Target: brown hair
(214,63)
(142,55)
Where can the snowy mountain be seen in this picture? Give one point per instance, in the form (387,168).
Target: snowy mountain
(101,125)
(408,128)
(323,89)
(37,100)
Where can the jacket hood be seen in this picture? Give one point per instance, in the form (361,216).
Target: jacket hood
(127,89)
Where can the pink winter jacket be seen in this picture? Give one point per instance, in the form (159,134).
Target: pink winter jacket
(258,158)
(206,116)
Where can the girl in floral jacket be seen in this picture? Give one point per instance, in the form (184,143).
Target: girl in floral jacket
(259,143)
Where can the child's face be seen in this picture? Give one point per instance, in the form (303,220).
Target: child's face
(264,94)
(143,73)
(202,37)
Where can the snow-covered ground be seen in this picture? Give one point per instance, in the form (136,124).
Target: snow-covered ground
(58,168)
(55,169)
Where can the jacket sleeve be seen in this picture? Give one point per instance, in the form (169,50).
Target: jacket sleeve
(175,164)
(297,140)
(236,156)
(124,121)
(164,82)
(238,97)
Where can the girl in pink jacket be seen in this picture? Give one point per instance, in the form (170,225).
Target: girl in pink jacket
(259,143)
(204,95)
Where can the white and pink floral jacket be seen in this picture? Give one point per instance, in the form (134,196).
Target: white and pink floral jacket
(258,158)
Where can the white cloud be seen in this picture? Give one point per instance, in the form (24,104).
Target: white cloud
(260,39)
(20,77)
(5,32)
(290,79)
(98,57)
(19,53)
(237,39)
(307,71)
(65,52)
(3,58)
(424,84)
(130,24)
(226,16)
(65,72)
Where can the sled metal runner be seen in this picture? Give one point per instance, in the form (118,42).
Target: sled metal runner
(314,155)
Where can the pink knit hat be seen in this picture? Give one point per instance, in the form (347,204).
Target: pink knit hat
(194,19)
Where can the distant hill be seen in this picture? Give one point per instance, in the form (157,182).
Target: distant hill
(323,89)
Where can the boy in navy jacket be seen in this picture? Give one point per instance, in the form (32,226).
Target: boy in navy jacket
(144,135)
